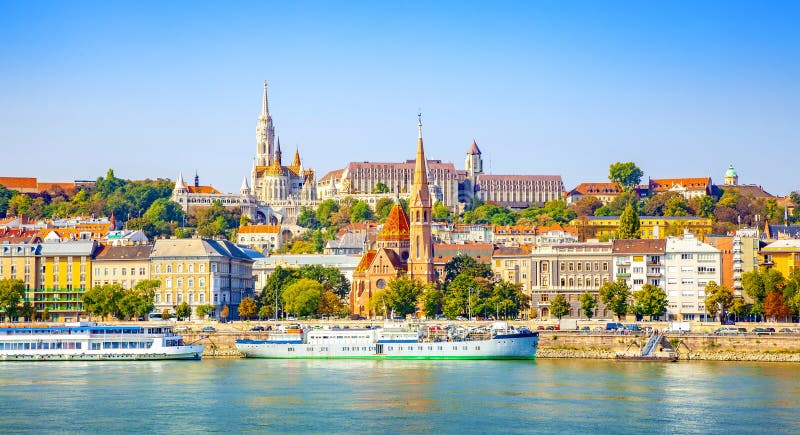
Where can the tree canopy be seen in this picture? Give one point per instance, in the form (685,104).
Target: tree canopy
(627,175)
(616,296)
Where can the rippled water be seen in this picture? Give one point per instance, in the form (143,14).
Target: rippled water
(581,396)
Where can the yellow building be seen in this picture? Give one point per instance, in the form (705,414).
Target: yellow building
(652,227)
(65,273)
(201,272)
(123,265)
(21,261)
(782,255)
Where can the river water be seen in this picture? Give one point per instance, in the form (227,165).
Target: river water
(346,396)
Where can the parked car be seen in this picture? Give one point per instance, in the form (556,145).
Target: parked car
(208,329)
(785,330)
(742,330)
(585,328)
(633,327)
(257,328)
(613,326)
(183,328)
(540,328)
(727,330)
(762,330)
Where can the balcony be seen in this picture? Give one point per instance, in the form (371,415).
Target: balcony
(655,274)
(654,263)
(623,275)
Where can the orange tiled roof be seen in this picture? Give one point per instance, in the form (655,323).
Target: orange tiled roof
(664,184)
(18,182)
(366,260)
(396,226)
(250,229)
(597,189)
(203,189)
(335,174)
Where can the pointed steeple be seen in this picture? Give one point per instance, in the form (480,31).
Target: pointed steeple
(278,160)
(420,195)
(245,189)
(420,259)
(473,149)
(265,102)
(296,161)
(179,183)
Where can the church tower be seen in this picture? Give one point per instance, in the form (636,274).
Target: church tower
(474,162)
(420,260)
(731,177)
(265,133)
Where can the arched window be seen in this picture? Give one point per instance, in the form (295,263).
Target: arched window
(191,267)
(180,267)
(180,283)
(190,282)
(202,282)
(169,282)
(158,268)
(169,268)
(202,268)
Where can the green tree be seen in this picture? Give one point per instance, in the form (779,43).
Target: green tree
(216,220)
(441,213)
(703,206)
(139,301)
(656,205)
(380,188)
(627,175)
(360,212)
(650,301)
(586,206)
(308,219)
(718,299)
(629,224)
(104,300)
(12,291)
(740,308)
(431,300)
(5,195)
(325,210)
(19,205)
(247,308)
(464,263)
(402,295)
(382,208)
(588,304)
(559,306)
(183,311)
(266,311)
(758,284)
(302,297)
(615,296)
(330,304)
(204,310)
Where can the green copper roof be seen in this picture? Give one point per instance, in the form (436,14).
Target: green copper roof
(731,172)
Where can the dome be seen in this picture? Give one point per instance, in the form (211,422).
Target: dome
(396,226)
(731,172)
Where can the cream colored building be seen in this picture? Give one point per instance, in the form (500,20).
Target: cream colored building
(123,265)
(201,272)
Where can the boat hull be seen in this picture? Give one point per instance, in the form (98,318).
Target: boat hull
(521,348)
(192,352)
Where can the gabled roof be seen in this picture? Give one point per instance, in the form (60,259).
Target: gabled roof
(366,261)
(490,177)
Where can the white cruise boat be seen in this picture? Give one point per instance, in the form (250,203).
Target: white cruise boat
(499,341)
(82,341)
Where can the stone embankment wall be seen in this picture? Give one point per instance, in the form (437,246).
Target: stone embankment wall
(567,344)
(775,347)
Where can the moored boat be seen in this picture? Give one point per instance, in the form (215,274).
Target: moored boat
(87,341)
(499,341)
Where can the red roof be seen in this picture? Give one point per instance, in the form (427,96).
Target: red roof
(203,189)
(15,183)
(665,184)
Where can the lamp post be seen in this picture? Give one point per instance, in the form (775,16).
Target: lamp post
(469,304)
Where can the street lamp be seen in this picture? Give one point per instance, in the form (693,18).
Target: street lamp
(469,304)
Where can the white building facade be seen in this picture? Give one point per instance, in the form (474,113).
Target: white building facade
(690,265)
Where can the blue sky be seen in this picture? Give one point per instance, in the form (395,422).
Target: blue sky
(546,87)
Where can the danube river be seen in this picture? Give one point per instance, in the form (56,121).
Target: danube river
(567,396)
